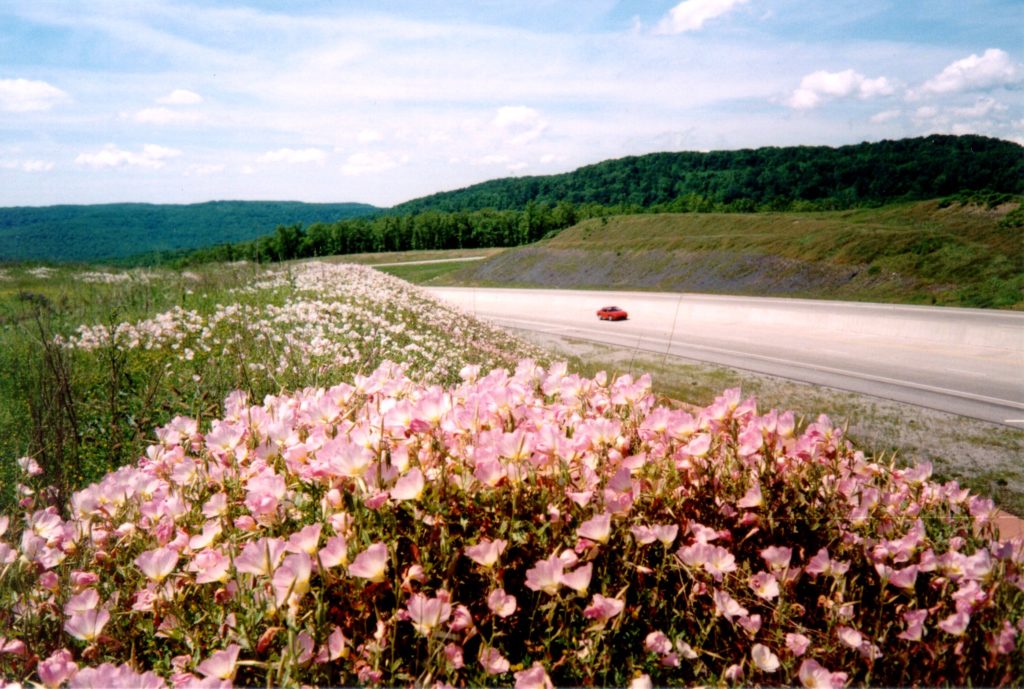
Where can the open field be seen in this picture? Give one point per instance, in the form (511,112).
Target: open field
(909,253)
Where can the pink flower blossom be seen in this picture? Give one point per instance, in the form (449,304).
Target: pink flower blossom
(657,642)
(915,624)
(822,564)
(727,606)
(777,557)
(371,564)
(534,678)
(427,613)
(87,625)
(334,552)
(764,585)
(453,653)
(955,624)
(291,579)
(797,643)
(764,659)
(485,553)
(109,676)
(157,564)
(752,498)
(814,676)
(305,540)
(260,557)
(57,669)
(579,579)
(501,603)
(409,487)
(545,575)
(493,662)
(602,609)
(596,529)
(221,664)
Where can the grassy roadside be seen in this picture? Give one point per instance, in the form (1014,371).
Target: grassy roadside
(919,253)
(977,454)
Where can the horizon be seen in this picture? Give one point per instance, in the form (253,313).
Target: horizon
(168,102)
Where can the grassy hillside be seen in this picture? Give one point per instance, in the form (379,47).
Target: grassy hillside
(119,230)
(960,254)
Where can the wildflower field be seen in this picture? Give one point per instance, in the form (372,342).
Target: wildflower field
(322,477)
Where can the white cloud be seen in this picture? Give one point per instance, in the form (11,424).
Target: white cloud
(982,107)
(180,97)
(519,123)
(293,156)
(992,69)
(25,95)
(819,86)
(151,156)
(367,163)
(885,116)
(691,15)
(27,165)
(165,116)
(926,112)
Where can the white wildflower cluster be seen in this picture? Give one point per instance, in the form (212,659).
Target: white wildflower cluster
(316,317)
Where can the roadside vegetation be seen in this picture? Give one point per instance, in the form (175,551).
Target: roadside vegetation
(316,474)
(951,253)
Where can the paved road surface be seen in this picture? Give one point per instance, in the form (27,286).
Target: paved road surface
(965,361)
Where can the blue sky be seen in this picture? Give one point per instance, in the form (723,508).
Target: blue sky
(380,102)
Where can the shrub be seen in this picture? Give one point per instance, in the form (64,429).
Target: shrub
(529,528)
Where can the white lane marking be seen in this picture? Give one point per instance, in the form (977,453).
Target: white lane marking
(790,362)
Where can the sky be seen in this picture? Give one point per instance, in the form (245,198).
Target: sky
(166,101)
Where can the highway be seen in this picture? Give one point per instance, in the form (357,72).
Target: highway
(964,361)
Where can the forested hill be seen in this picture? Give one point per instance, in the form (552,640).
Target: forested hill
(790,178)
(117,230)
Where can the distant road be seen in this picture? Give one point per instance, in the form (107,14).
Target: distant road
(964,361)
(421,263)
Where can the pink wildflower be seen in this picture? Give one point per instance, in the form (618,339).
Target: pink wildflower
(764,659)
(752,498)
(221,664)
(305,540)
(534,678)
(777,557)
(797,643)
(427,613)
(157,564)
(915,624)
(579,579)
(956,624)
(408,487)
(485,553)
(371,564)
(291,579)
(764,585)
(822,564)
(545,576)
(107,675)
(88,599)
(657,642)
(501,603)
(334,552)
(87,625)
(453,653)
(727,606)
(260,557)
(493,662)
(602,609)
(596,529)
(57,669)
(814,676)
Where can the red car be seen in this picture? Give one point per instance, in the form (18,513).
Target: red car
(612,313)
